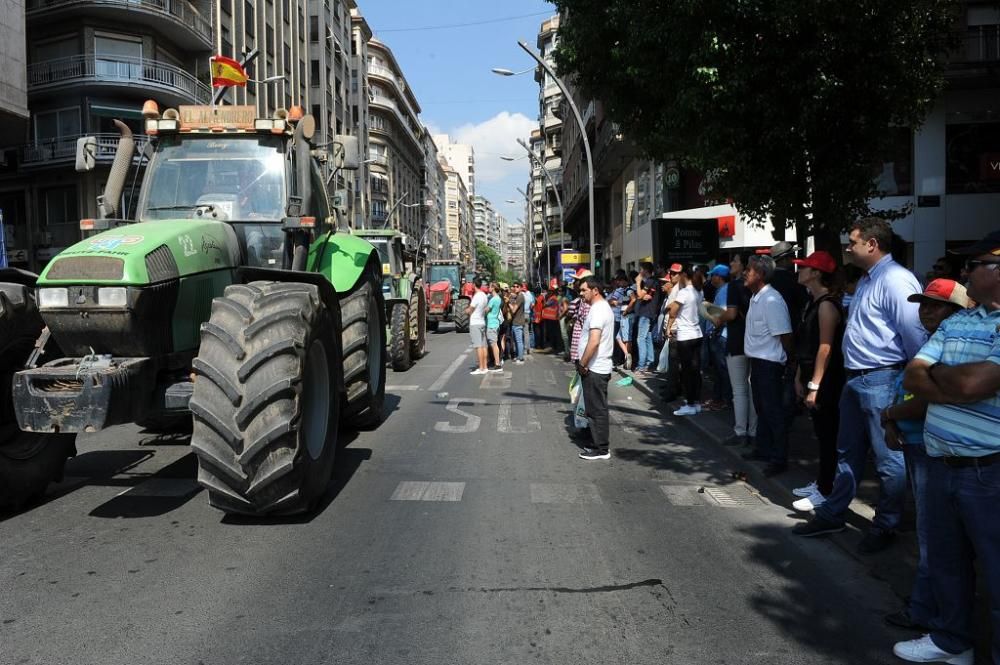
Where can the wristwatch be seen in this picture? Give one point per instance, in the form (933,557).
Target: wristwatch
(812,386)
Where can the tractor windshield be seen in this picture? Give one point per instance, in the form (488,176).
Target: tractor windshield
(241,176)
(440,273)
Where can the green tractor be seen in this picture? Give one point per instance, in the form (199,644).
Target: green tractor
(232,298)
(405,301)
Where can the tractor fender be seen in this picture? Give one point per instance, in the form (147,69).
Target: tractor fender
(18,276)
(342,259)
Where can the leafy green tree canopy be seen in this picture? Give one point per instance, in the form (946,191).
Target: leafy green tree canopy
(787,103)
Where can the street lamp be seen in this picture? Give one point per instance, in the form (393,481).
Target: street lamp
(583,132)
(269,79)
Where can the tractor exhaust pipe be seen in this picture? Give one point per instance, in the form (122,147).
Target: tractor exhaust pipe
(109,204)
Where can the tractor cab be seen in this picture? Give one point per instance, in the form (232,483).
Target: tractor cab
(389,244)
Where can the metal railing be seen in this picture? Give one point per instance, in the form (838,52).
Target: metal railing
(124,69)
(182,10)
(63,148)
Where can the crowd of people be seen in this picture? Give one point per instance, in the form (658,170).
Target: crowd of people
(883,366)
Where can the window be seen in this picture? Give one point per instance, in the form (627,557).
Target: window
(62,221)
(314,72)
(288,59)
(248,19)
(226,9)
(227,41)
(896,172)
(118,57)
(269,42)
(57,130)
(317,112)
(302,24)
(286,11)
(302,74)
(973,158)
(314,28)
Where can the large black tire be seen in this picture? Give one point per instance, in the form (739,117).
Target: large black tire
(28,461)
(266,406)
(399,337)
(363,340)
(418,320)
(459,316)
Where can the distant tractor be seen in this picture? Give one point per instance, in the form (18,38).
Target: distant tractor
(232,301)
(405,300)
(444,300)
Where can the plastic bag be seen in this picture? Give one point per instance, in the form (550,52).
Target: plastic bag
(580,420)
(575,388)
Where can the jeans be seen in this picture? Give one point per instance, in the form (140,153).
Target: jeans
(767,383)
(645,343)
(518,331)
(963,530)
(689,355)
(529,336)
(861,404)
(923,608)
(722,391)
(744,413)
(595,397)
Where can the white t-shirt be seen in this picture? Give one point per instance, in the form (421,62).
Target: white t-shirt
(767,319)
(602,318)
(686,322)
(478,303)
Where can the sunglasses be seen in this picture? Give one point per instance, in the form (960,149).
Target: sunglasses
(972,264)
(673,272)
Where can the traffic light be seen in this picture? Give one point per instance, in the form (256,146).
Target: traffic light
(598,254)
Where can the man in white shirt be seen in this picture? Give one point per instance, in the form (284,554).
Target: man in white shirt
(594,365)
(477,325)
(767,343)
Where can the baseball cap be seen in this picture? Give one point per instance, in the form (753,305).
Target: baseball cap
(720,270)
(676,267)
(783,248)
(988,245)
(819,260)
(944,290)
(583,272)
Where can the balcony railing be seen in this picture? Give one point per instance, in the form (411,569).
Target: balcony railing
(64,149)
(120,69)
(179,9)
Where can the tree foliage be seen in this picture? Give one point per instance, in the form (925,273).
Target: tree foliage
(785,102)
(487,261)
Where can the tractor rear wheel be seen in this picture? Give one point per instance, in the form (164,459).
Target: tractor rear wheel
(265,404)
(399,337)
(460,318)
(363,342)
(28,461)
(418,320)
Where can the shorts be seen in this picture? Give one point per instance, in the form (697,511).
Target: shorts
(492,335)
(625,332)
(477,332)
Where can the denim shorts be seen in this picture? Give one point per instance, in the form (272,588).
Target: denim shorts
(625,332)
(492,335)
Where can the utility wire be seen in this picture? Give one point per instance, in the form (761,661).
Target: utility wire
(465,25)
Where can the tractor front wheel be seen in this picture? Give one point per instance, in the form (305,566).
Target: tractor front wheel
(363,341)
(266,407)
(418,321)
(399,337)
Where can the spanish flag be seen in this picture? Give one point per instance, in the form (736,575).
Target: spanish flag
(227,72)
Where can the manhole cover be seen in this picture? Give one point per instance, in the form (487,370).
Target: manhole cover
(736,495)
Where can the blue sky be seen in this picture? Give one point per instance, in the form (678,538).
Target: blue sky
(449,71)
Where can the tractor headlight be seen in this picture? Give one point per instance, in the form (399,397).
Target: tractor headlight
(49,298)
(111,296)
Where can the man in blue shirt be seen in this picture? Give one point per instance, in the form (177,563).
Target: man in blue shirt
(958,373)
(529,308)
(883,332)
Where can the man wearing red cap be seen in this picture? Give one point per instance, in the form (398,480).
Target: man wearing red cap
(958,372)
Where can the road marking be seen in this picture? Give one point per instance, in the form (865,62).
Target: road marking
(402,388)
(443,379)
(496,381)
(530,423)
(163,487)
(413,490)
(472,421)
(683,495)
(563,493)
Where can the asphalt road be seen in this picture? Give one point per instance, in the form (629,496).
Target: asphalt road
(463,530)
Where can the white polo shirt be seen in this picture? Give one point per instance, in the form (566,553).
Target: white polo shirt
(478,305)
(602,318)
(767,319)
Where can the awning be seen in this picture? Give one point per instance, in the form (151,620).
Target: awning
(708,212)
(116,111)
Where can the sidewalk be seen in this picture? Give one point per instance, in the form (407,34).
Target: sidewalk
(895,566)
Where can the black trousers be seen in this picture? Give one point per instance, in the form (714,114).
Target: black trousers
(595,397)
(826,425)
(689,357)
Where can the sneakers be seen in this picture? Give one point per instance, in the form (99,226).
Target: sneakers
(495,369)
(923,650)
(477,372)
(593,453)
(876,541)
(817,526)
(805,504)
(518,362)
(687,410)
(808,490)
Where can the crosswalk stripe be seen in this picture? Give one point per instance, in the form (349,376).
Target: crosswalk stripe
(446,375)
(416,490)
(507,425)
(401,388)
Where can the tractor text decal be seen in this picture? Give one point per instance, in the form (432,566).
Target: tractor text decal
(108,243)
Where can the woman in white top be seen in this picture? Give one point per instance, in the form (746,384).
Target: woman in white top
(685,331)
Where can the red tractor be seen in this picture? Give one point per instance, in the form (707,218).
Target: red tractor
(444,302)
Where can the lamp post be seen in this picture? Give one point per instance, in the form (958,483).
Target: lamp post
(583,133)
(548,176)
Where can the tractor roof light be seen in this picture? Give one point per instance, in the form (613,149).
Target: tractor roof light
(295,113)
(150,110)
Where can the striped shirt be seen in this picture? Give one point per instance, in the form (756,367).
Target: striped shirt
(964,430)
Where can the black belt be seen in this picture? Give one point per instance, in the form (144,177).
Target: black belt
(851,373)
(963,462)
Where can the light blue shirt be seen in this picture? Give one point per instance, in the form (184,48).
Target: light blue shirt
(529,302)
(882,327)
(964,430)
(721,297)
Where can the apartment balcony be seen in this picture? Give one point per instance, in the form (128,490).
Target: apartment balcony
(382,102)
(177,20)
(398,82)
(144,78)
(62,150)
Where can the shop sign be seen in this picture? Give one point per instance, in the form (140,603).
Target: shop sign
(17,256)
(690,240)
(574,258)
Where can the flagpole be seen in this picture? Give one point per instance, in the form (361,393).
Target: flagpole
(248,57)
